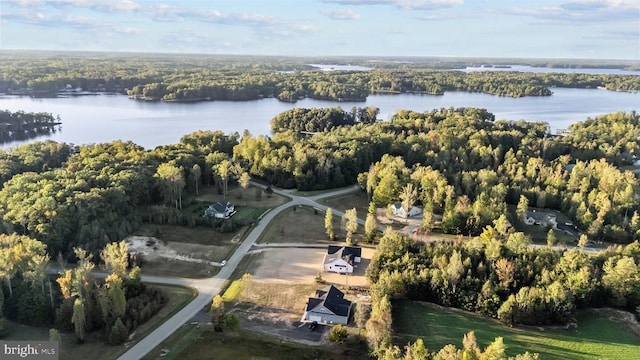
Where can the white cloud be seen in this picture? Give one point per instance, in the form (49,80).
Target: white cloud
(428,4)
(98,5)
(22,3)
(341,14)
(402,4)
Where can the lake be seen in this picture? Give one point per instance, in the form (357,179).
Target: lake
(104,118)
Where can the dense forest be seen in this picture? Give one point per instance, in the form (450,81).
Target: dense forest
(462,164)
(497,275)
(75,301)
(183,78)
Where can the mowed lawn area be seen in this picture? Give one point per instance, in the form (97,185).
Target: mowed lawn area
(596,337)
(191,342)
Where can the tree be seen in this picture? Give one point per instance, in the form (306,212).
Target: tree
(82,274)
(217,310)
(518,242)
(196,174)
(223,170)
(118,333)
(471,351)
(65,281)
(362,314)
(135,275)
(427,220)
(116,295)
(551,238)
(328,224)
(416,351)
(244,179)
(350,219)
(505,271)
(79,319)
(583,241)
(495,350)
(115,256)
(522,208)
(409,195)
(371,223)
(171,182)
(622,279)
(338,334)
(379,325)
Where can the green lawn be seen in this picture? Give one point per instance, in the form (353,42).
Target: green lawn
(596,336)
(191,342)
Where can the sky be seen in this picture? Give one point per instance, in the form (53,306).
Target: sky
(570,29)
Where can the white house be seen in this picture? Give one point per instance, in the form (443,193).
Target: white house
(398,210)
(328,307)
(341,259)
(220,210)
(542,218)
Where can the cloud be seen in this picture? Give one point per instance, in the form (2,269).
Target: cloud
(582,11)
(22,3)
(166,13)
(346,14)
(428,4)
(82,23)
(360,2)
(402,4)
(97,5)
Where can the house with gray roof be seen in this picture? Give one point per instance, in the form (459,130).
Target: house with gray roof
(328,307)
(220,210)
(541,218)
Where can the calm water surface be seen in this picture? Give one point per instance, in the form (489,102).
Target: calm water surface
(104,118)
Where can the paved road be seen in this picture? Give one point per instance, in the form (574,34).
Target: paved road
(210,287)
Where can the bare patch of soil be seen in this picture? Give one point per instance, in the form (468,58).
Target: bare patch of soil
(175,258)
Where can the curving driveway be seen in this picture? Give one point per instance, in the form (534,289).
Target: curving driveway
(210,287)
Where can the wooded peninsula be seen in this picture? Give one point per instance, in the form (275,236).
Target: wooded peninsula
(205,78)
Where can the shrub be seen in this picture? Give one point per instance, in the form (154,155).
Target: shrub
(338,334)
(118,334)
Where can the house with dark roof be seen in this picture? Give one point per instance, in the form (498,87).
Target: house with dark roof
(220,210)
(328,307)
(341,259)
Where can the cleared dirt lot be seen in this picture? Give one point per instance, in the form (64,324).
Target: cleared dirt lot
(302,265)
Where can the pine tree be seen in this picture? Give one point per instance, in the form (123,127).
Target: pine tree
(79,319)
(328,224)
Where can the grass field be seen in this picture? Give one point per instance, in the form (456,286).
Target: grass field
(302,225)
(358,200)
(596,337)
(191,342)
(95,348)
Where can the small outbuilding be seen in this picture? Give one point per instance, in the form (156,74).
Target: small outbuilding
(341,259)
(328,307)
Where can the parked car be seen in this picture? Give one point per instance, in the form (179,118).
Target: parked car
(223,263)
(313,326)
